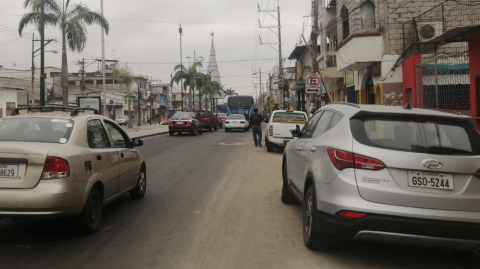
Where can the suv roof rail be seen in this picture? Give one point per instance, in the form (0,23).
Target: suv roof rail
(344,103)
(16,111)
(444,110)
(76,110)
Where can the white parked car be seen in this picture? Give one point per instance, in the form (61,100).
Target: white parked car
(279,125)
(236,121)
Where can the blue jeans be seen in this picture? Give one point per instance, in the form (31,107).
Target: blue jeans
(257,134)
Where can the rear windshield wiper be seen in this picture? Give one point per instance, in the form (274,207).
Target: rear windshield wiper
(448,151)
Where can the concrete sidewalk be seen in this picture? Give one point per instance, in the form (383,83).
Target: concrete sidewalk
(146,130)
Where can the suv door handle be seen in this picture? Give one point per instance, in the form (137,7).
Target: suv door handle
(313,150)
(99,157)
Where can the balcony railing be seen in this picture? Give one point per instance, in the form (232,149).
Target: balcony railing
(331,61)
(450,21)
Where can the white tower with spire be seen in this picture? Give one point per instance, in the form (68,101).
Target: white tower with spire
(213,69)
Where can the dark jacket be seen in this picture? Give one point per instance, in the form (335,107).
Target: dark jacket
(256,120)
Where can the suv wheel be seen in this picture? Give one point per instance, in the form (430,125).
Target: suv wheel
(89,220)
(139,191)
(171,133)
(287,197)
(312,235)
(210,128)
(215,128)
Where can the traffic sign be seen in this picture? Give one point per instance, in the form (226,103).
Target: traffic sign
(313,84)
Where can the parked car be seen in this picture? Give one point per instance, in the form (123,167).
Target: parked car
(122,120)
(219,121)
(236,121)
(207,119)
(185,122)
(65,164)
(278,127)
(392,174)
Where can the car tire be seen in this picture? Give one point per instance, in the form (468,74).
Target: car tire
(171,133)
(194,132)
(201,131)
(312,235)
(287,197)
(269,145)
(179,133)
(210,129)
(89,221)
(141,188)
(215,128)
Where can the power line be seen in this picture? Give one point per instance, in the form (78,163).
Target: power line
(230,61)
(182,22)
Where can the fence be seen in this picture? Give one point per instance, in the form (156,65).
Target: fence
(444,83)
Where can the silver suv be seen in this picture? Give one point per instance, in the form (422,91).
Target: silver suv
(388,174)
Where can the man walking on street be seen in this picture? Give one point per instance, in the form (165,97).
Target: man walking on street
(256,123)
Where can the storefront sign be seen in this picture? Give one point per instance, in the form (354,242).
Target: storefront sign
(10,105)
(90,102)
(349,78)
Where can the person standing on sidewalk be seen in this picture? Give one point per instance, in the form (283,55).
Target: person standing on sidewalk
(256,123)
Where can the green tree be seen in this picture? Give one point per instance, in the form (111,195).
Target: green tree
(230,92)
(209,88)
(189,75)
(125,77)
(71,19)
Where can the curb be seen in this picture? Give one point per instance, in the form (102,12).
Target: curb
(150,135)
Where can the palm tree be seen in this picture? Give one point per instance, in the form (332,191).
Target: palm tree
(71,19)
(125,77)
(209,88)
(189,75)
(230,92)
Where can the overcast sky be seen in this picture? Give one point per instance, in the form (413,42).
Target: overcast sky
(144,33)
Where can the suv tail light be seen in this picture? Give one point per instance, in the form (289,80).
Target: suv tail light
(270,130)
(242,122)
(55,168)
(478,173)
(344,159)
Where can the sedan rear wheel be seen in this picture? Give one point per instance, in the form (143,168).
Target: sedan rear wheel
(312,235)
(226,130)
(89,220)
(171,133)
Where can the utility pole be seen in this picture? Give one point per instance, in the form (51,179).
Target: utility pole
(181,62)
(194,84)
(42,53)
(279,34)
(33,71)
(104,91)
(314,39)
(82,73)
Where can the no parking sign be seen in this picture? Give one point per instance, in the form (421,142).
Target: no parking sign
(313,84)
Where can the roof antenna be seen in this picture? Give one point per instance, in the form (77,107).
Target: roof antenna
(407,106)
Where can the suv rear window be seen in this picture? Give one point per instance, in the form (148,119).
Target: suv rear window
(44,130)
(417,134)
(289,117)
(203,114)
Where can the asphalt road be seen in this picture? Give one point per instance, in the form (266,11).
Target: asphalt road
(213,201)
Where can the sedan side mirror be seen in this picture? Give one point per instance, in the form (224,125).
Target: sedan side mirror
(296,132)
(137,142)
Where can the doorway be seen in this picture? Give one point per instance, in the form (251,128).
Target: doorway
(409,96)
(352,95)
(370,90)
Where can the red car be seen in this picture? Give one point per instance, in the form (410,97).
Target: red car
(185,122)
(219,120)
(207,119)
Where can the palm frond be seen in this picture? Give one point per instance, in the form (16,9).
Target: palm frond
(83,14)
(34,18)
(36,5)
(76,35)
